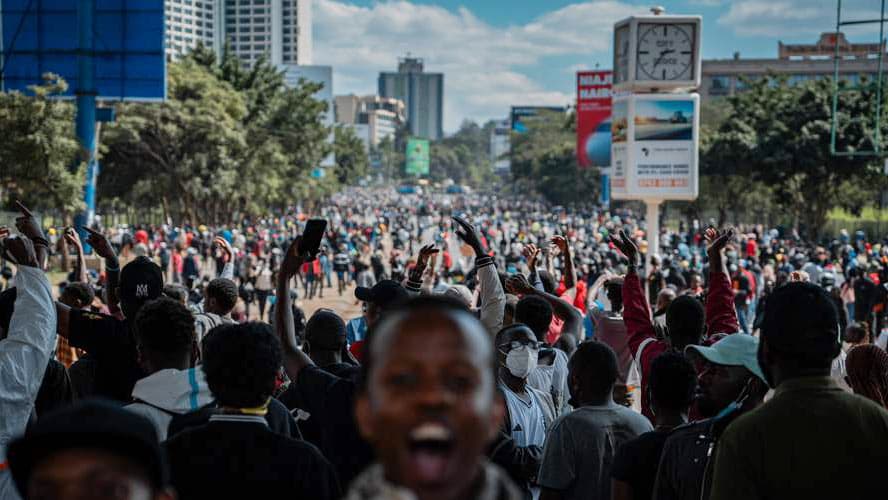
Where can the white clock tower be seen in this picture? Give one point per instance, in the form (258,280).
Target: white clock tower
(657,53)
(655,121)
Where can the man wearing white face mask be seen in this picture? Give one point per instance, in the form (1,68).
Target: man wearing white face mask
(529,411)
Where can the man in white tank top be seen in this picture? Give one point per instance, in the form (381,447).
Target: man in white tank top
(529,411)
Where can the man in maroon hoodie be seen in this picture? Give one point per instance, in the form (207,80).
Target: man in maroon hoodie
(686,321)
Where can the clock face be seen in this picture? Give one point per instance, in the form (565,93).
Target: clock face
(665,52)
(621,54)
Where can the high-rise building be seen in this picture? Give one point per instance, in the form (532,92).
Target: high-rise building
(279,29)
(381,115)
(192,22)
(423,96)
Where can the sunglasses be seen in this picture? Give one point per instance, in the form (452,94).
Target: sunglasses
(518,344)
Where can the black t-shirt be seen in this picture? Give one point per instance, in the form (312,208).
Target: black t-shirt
(636,463)
(344,370)
(247,460)
(55,389)
(864,296)
(110,342)
(330,400)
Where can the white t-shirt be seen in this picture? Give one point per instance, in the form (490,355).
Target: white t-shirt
(552,379)
(882,340)
(527,420)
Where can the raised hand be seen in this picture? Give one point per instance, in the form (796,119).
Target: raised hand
(717,240)
(422,260)
(293,260)
(628,247)
(223,245)
(561,244)
(27,225)
(518,285)
(99,243)
(469,235)
(20,250)
(426,253)
(73,239)
(531,253)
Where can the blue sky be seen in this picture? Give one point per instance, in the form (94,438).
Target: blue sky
(498,53)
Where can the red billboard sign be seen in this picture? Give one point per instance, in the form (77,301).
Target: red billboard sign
(593,118)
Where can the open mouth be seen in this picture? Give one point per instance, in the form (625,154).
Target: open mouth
(431,447)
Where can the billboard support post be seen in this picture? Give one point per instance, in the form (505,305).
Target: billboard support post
(653,231)
(86,110)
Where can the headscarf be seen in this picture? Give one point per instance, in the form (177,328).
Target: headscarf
(867,369)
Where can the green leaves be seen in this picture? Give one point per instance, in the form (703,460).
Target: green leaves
(229,141)
(38,148)
(544,160)
(773,147)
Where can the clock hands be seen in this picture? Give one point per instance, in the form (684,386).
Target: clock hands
(663,54)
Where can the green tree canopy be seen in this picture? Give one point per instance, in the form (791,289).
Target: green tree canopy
(39,150)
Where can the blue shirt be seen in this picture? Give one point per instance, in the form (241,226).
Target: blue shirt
(355,330)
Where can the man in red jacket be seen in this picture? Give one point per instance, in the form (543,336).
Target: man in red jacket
(685,319)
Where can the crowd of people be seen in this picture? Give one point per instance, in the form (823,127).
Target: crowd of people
(507,349)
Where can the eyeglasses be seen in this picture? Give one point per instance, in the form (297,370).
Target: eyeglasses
(518,344)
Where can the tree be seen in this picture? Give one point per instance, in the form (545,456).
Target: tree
(352,163)
(780,135)
(182,153)
(544,160)
(464,156)
(38,148)
(228,141)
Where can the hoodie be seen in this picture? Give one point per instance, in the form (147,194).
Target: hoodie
(167,393)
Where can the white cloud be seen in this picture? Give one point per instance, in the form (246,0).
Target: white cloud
(482,64)
(788,18)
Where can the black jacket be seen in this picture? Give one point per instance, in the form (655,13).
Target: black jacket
(246,459)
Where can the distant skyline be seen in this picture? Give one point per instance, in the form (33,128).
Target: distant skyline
(500,53)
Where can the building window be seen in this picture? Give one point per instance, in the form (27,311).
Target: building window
(259,29)
(259,38)
(245,38)
(259,11)
(245,12)
(721,84)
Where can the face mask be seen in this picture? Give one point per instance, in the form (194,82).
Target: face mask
(736,404)
(521,362)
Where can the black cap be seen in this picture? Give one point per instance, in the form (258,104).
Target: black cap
(140,281)
(91,424)
(802,321)
(385,294)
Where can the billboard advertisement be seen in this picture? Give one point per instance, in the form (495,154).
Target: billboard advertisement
(125,47)
(522,116)
(655,147)
(594,119)
(417,155)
